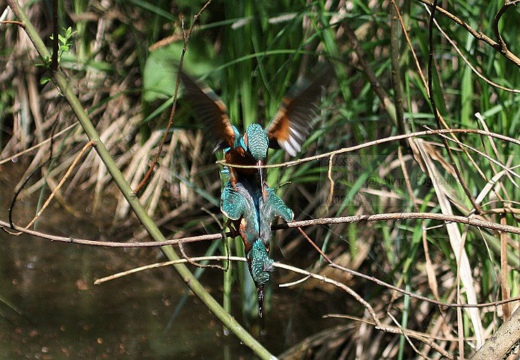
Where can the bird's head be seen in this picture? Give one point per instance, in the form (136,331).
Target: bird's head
(257,142)
(261,267)
(260,264)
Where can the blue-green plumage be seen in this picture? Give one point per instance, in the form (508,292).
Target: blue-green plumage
(246,200)
(273,206)
(288,129)
(257,142)
(260,266)
(240,204)
(251,215)
(260,262)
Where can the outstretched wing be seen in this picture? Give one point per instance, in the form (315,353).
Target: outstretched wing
(212,112)
(232,204)
(275,206)
(294,119)
(272,206)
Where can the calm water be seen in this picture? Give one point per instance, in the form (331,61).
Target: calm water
(50,308)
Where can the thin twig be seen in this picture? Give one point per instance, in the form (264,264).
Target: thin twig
(431,68)
(403,333)
(167,263)
(482,154)
(420,297)
(479,35)
(191,260)
(336,283)
(313,244)
(475,71)
(378,142)
(62,181)
(35,147)
(424,337)
(507,4)
(186,36)
(473,221)
(24,182)
(377,87)
(13,22)
(409,42)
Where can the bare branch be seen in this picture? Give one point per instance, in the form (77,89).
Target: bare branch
(378,142)
(480,35)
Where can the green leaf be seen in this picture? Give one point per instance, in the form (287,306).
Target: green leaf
(160,70)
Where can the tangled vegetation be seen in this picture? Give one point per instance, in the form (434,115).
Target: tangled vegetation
(422,118)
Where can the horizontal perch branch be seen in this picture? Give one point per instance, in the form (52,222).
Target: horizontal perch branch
(473,221)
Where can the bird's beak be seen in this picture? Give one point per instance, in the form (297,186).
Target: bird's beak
(261,173)
(260,293)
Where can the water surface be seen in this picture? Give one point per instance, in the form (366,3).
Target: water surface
(51,309)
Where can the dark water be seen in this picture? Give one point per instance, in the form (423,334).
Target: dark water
(51,309)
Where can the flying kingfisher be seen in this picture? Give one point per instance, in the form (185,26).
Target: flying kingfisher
(288,129)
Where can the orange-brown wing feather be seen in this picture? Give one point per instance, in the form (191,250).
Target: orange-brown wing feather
(294,119)
(212,112)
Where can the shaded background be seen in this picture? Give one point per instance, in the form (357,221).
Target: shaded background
(122,56)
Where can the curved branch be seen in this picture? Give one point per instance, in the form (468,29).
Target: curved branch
(480,35)
(501,43)
(312,275)
(378,142)
(475,71)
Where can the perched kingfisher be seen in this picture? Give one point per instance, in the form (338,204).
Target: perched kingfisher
(288,130)
(250,216)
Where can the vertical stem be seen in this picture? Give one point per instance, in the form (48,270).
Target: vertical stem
(396,73)
(68,92)
(504,269)
(55,34)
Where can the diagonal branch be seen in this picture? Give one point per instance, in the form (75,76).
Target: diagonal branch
(480,35)
(197,288)
(503,342)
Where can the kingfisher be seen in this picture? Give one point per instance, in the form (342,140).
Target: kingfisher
(248,202)
(250,216)
(288,130)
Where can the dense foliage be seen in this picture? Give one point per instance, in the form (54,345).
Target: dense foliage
(122,58)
